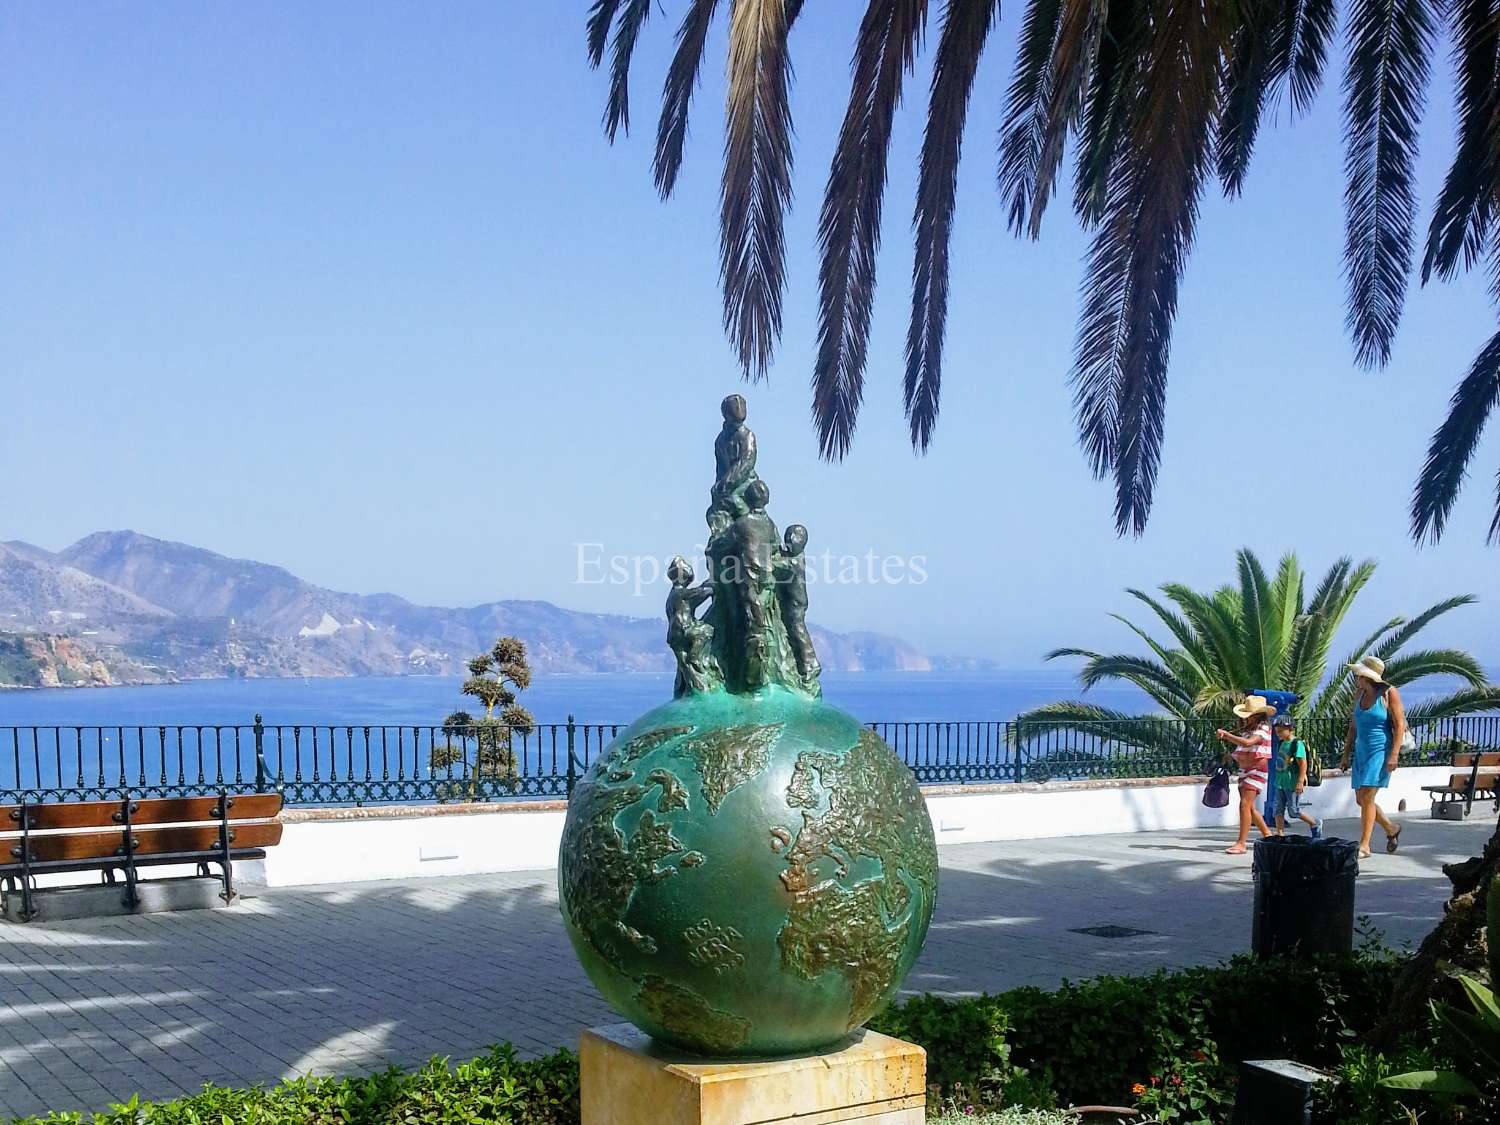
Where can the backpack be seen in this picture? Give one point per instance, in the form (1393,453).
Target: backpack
(1314,765)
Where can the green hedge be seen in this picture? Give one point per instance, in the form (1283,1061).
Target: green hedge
(496,1087)
(1169,1042)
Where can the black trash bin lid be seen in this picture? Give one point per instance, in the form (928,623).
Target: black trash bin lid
(1305,859)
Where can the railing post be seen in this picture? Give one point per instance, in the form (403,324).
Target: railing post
(260,755)
(572,760)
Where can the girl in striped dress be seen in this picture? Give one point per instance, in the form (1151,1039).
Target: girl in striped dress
(1252,752)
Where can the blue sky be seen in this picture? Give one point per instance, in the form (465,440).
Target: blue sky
(362,290)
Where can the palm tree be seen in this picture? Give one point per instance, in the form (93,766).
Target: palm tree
(1158,98)
(1259,633)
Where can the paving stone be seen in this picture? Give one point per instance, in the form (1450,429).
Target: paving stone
(349,978)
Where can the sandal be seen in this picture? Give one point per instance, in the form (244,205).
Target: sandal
(1235,849)
(1365,853)
(1392,841)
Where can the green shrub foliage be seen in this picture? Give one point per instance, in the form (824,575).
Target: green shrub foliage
(496,1087)
(1096,1041)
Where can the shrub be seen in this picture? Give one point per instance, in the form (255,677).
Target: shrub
(1098,1040)
(496,1087)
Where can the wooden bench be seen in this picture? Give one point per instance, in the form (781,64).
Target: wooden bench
(121,837)
(1474,774)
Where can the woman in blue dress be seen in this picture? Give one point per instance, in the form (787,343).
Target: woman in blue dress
(1371,748)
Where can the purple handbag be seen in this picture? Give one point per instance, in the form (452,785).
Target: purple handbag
(1216,792)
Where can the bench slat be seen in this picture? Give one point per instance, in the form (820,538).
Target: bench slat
(184,810)
(154,810)
(80,814)
(149,841)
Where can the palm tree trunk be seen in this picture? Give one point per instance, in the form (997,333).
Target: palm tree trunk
(1458,940)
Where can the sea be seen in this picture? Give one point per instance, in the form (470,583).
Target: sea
(616,698)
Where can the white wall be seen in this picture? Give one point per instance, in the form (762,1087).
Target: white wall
(1027,812)
(405,844)
(407,847)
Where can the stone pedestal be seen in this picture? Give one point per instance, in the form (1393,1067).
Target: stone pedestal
(628,1079)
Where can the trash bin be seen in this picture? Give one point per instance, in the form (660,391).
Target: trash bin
(1304,895)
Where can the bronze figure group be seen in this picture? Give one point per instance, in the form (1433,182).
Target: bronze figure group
(754,632)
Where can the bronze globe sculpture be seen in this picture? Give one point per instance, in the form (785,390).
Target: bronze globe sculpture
(746,871)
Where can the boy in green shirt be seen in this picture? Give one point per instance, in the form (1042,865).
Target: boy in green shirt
(1291,778)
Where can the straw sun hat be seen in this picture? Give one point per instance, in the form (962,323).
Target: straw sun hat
(1371,668)
(1254,705)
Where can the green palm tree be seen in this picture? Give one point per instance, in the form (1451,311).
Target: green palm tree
(1157,99)
(1262,632)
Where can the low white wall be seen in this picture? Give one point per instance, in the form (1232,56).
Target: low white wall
(1030,812)
(355,845)
(343,846)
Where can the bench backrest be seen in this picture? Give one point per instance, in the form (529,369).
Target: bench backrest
(158,826)
(1486,759)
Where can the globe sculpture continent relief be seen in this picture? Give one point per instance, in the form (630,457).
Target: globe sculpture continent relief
(746,870)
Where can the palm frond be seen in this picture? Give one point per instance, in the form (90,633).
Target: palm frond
(1254,67)
(1216,700)
(1058,653)
(1408,629)
(1183,663)
(1411,666)
(1368,645)
(1130,292)
(1023,129)
(849,227)
(1453,445)
(1218,631)
(1467,701)
(1461,216)
(1390,47)
(1117,66)
(1156,680)
(1078,34)
(757,183)
(1338,605)
(1202,654)
(1494,534)
(601,16)
(966,27)
(622,48)
(1329,585)
(1103,725)
(1307,656)
(1256,624)
(1308,31)
(677,93)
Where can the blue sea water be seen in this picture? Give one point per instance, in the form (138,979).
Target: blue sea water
(869,696)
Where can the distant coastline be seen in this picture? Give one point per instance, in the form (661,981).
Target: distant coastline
(122,608)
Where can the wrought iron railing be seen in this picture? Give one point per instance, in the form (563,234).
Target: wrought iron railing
(342,764)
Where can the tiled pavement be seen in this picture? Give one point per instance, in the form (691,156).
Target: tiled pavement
(350,978)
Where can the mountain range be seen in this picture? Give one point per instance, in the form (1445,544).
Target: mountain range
(121,607)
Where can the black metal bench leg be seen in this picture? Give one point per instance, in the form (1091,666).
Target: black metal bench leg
(225,838)
(28,901)
(21,886)
(131,899)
